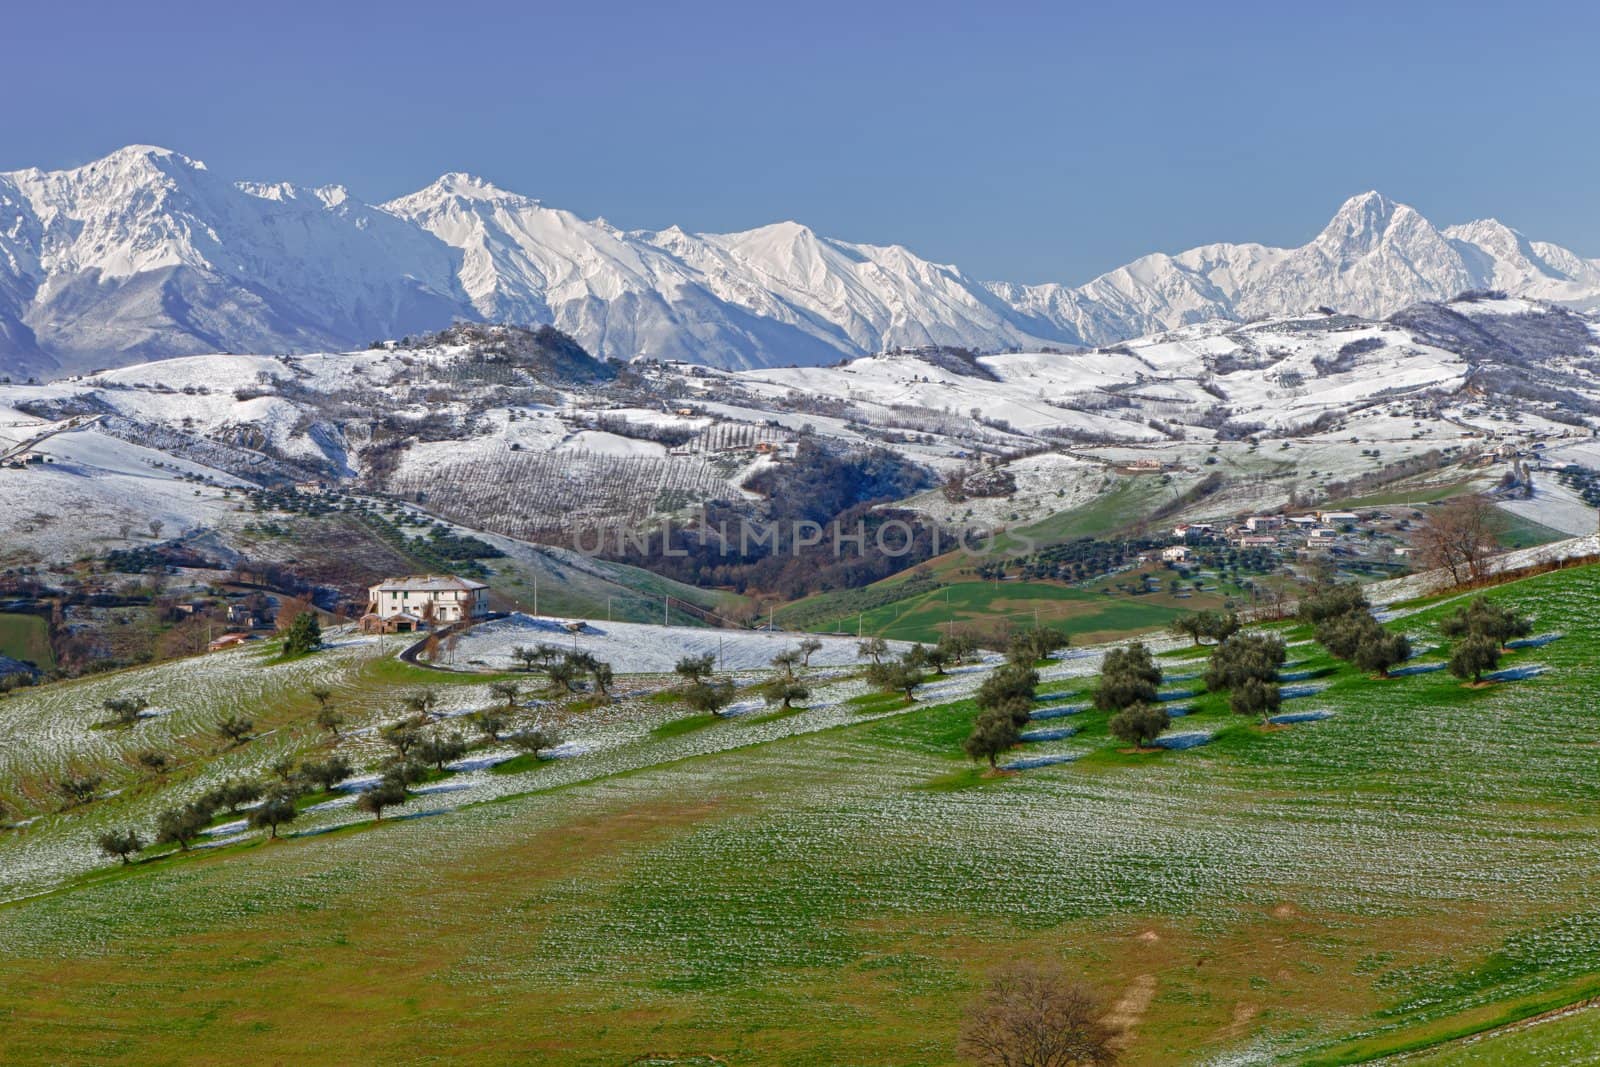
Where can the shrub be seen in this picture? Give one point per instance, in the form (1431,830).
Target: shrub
(152,761)
(235,729)
(79,788)
(1032,1014)
(125,710)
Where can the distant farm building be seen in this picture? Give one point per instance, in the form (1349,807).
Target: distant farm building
(416,602)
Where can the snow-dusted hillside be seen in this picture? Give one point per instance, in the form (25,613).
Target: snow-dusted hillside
(146,254)
(530,446)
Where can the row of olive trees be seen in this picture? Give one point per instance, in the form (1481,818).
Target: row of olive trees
(565,669)
(1129,680)
(274,804)
(1246,667)
(1344,625)
(1481,632)
(1005,702)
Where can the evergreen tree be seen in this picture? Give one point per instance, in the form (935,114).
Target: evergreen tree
(304,635)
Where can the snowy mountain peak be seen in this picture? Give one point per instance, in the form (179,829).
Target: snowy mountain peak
(456,185)
(146,155)
(1364,222)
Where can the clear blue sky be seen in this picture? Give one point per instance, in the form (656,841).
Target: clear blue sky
(1022,141)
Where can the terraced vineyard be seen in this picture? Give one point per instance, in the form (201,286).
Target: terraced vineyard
(1407,862)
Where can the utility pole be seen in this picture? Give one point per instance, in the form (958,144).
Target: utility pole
(858,627)
(665,600)
(608,608)
(536,592)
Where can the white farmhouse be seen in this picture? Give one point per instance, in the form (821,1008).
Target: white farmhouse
(417,601)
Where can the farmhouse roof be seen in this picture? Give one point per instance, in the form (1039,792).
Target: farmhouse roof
(429,583)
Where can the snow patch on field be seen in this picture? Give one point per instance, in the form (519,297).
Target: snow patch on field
(639,648)
(1181,741)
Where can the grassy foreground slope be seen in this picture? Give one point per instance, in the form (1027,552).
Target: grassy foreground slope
(1415,867)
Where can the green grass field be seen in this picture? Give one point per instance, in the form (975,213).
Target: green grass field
(1415,868)
(26,637)
(1085,614)
(1126,503)
(1518,532)
(1422,491)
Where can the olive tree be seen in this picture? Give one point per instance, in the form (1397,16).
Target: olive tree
(695,669)
(275,809)
(1473,656)
(993,733)
(1139,724)
(386,793)
(120,844)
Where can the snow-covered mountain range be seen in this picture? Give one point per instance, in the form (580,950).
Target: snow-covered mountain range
(147,253)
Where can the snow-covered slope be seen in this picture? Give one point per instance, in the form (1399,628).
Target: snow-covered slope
(146,253)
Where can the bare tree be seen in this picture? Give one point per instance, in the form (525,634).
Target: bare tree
(1033,1015)
(1459,537)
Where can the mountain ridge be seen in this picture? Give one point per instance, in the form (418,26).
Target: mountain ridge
(147,253)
